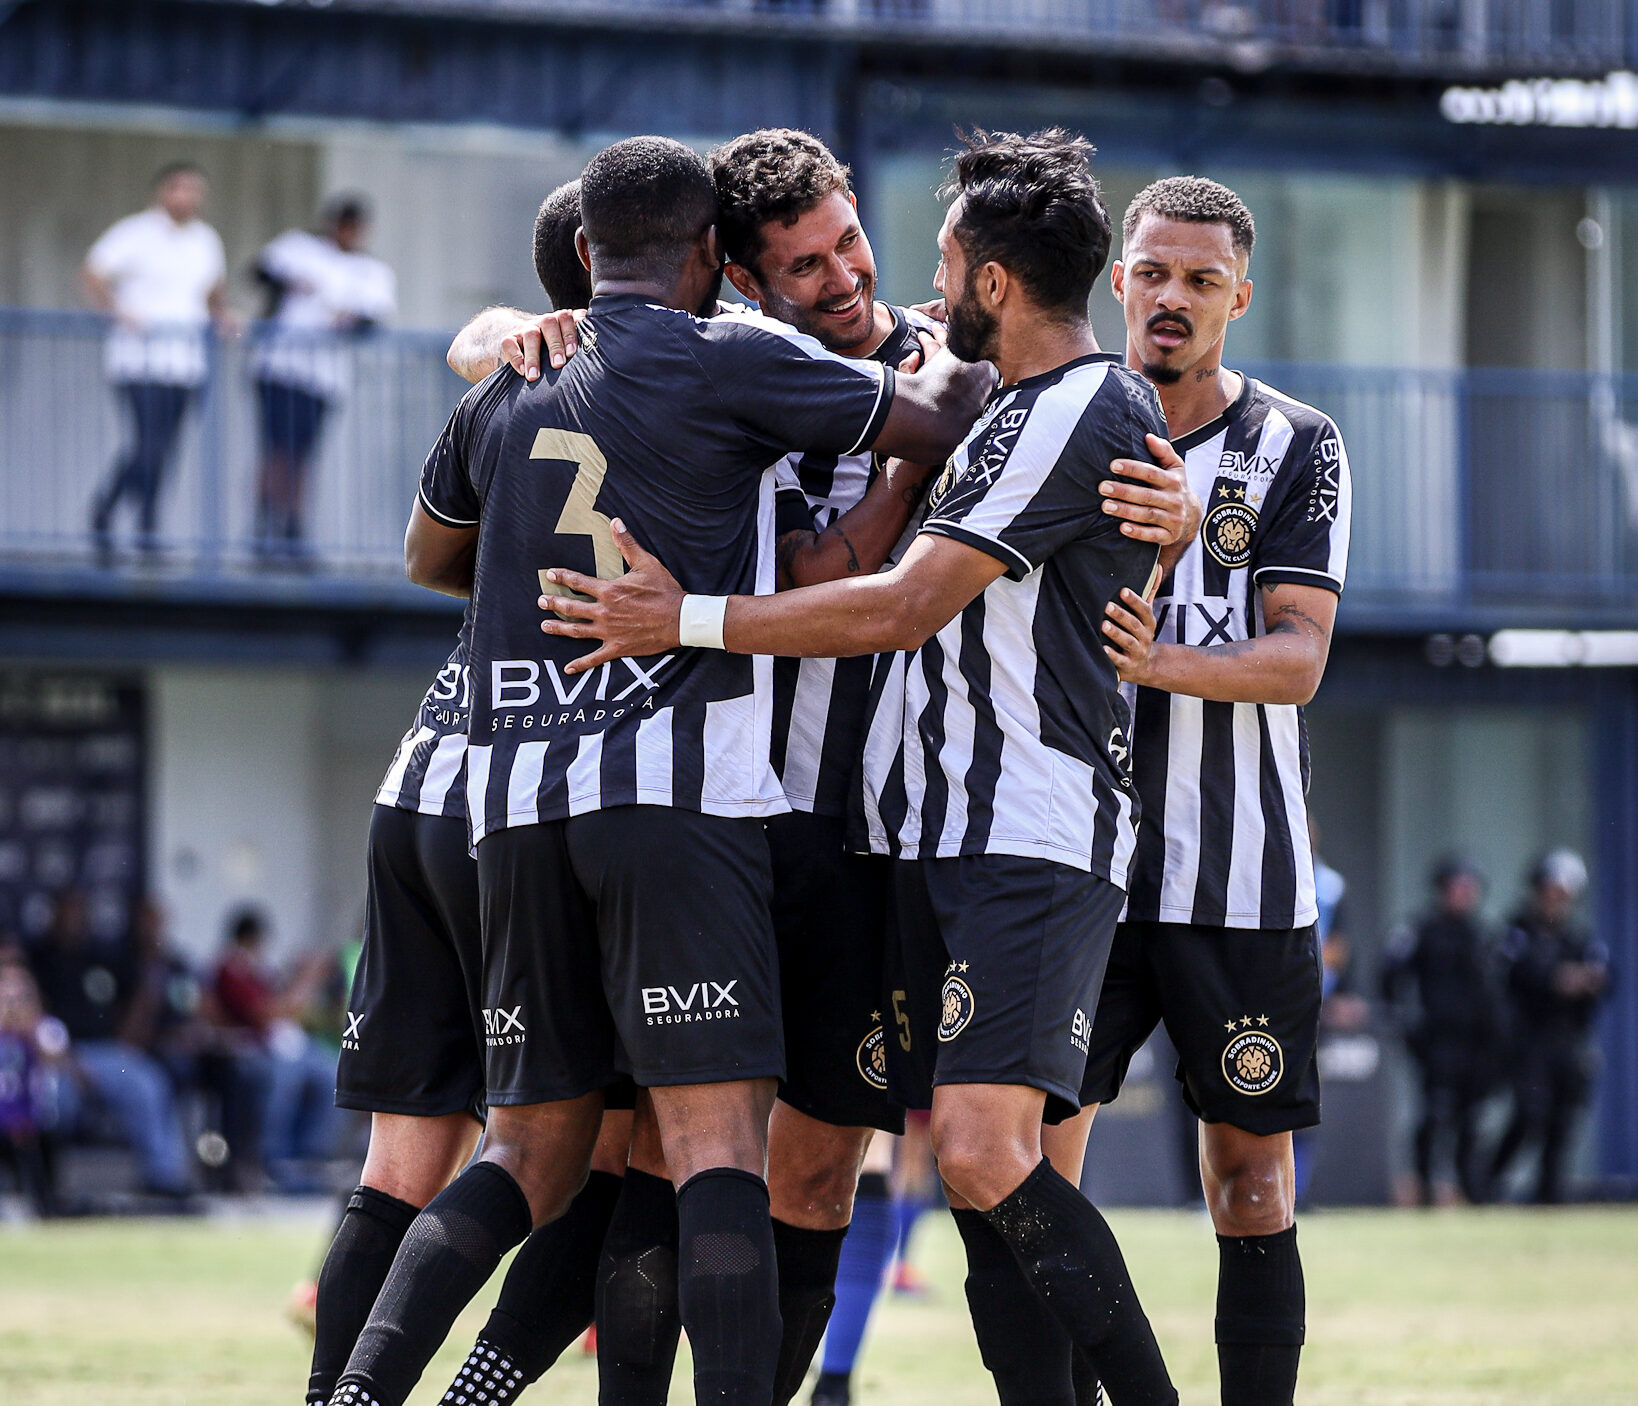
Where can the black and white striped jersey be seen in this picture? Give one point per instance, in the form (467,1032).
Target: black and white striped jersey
(1225,816)
(1006,733)
(675,425)
(428,772)
(819,704)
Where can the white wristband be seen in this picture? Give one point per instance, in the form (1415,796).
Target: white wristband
(700,623)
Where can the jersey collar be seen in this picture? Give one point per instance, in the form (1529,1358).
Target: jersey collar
(1218,423)
(1042,378)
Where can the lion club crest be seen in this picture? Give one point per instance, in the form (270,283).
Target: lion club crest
(1253,1062)
(1229,525)
(955,1009)
(871,1058)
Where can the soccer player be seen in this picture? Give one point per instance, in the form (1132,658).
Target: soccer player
(1218,940)
(994,748)
(622,865)
(419,972)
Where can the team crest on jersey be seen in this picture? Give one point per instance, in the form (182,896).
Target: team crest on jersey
(1229,525)
(872,1058)
(955,1006)
(946,480)
(1252,1060)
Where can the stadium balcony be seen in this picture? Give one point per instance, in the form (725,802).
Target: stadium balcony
(1481,497)
(1410,36)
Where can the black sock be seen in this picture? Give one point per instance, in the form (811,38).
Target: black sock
(1088,1389)
(1070,1257)
(547,1300)
(1022,1344)
(637,1318)
(1261,1317)
(807,1292)
(728,1286)
(447,1256)
(354,1271)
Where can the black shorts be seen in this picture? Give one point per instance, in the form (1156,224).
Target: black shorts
(412,1038)
(291,418)
(830,919)
(1241,1006)
(995,963)
(634,940)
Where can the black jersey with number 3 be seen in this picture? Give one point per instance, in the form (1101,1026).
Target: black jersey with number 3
(674,425)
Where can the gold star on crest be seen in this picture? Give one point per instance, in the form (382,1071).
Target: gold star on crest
(962,967)
(949,969)
(1245,1021)
(1230,1027)
(1262,1020)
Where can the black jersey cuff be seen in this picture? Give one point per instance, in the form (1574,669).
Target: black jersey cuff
(442,517)
(1017,564)
(878,416)
(1296,576)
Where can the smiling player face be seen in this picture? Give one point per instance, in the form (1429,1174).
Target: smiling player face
(819,274)
(1181,283)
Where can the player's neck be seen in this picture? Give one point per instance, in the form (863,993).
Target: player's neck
(667,296)
(1204,392)
(1039,347)
(880,325)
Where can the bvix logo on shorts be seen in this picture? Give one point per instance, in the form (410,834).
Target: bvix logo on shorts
(956,1006)
(1253,1061)
(502,1026)
(1080,1031)
(704,1000)
(351,1035)
(871,1058)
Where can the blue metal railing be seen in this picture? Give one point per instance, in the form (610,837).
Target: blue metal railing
(1473,490)
(1547,36)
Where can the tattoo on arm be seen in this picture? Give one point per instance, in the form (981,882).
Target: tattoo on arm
(852,555)
(1292,617)
(786,550)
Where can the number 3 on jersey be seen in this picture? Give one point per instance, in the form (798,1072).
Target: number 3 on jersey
(580,516)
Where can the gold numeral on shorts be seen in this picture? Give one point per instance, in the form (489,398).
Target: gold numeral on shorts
(902,1020)
(580,516)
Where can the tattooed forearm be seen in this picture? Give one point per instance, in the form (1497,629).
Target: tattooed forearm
(1293,617)
(835,530)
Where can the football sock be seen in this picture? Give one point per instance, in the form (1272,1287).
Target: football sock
(807,1261)
(907,1210)
(1088,1389)
(354,1270)
(1261,1317)
(728,1286)
(1022,1344)
(546,1301)
(448,1253)
(1070,1257)
(866,1253)
(637,1319)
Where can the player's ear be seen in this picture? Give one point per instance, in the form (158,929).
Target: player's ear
(994,283)
(744,281)
(1242,299)
(582,247)
(711,247)
(1117,280)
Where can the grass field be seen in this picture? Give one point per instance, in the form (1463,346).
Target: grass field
(1494,1308)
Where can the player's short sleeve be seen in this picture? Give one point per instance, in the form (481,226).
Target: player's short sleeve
(1305,542)
(792,511)
(449,491)
(1030,486)
(788,392)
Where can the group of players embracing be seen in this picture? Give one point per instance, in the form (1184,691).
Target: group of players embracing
(817,665)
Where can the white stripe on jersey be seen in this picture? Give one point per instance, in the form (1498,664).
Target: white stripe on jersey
(393,782)
(443,772)
(654,758)
(585,778)
(1182,798)
(523,782)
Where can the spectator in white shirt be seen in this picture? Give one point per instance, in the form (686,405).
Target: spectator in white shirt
(324,290)
(159,273)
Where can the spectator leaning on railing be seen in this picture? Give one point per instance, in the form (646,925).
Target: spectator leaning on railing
(159,273)
(323,288)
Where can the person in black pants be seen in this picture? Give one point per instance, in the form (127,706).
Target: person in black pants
(1556,974)
(1444,960)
